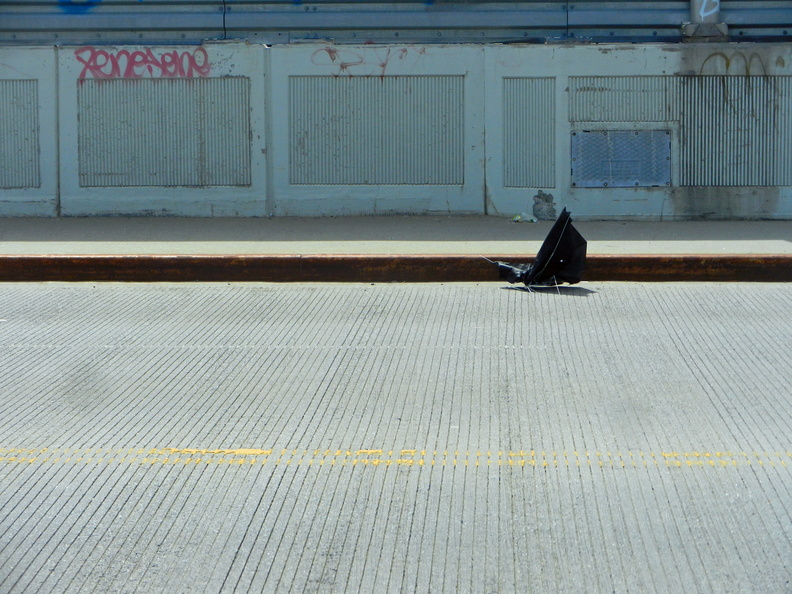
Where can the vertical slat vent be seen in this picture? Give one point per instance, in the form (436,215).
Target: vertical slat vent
(529,132)
(376,130)
(19,135)
(623,98)
(733,130)
(736,131)
(164,132)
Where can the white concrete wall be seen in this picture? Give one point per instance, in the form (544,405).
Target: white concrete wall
(384,129)
(231,129)
(28,132)
(727,110)
(163,130)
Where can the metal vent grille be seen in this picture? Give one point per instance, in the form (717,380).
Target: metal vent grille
(736,131)
(164,132)
(621,158)
(19,134)
(529,132)
(376,130)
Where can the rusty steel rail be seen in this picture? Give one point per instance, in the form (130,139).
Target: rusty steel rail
(380,268)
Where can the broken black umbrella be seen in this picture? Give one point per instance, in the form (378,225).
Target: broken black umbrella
(561,259)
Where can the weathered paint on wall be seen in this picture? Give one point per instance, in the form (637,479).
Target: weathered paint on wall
(317,129)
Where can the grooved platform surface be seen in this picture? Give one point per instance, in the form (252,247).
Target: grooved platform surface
(403,438)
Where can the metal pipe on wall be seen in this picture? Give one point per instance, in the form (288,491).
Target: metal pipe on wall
(705,22)
(704,11)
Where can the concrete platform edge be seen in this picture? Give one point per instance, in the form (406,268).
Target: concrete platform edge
(380,268)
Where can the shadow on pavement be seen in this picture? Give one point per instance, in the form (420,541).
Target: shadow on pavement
(562,290)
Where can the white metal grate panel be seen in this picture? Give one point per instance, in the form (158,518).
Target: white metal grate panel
(736,131)
(19,134)
(623,98)
(529,132)
(164,132)
(374,130)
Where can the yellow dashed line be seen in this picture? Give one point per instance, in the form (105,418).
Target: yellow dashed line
(374,457)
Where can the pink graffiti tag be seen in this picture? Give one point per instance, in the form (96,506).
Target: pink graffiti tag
(99,63)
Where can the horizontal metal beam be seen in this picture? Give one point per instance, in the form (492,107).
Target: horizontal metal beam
(109,22)
(381,268)
(422,18)
(284,21)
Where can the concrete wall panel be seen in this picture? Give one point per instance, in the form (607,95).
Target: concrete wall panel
(163,130)
(28,132)
(368,129)
(724,107)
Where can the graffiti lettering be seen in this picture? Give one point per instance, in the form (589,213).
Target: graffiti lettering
(736,64)
(345,60)
(709,7)
(79,6)
(74,7)
(144,63)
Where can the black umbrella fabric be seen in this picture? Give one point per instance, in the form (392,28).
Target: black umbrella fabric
(561,259)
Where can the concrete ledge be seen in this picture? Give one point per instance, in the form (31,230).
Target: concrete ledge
(380,268)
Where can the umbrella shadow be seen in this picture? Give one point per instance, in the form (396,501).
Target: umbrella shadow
(559,290)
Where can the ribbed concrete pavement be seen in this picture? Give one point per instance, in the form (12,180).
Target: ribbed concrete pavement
(381,249)
(398,437)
